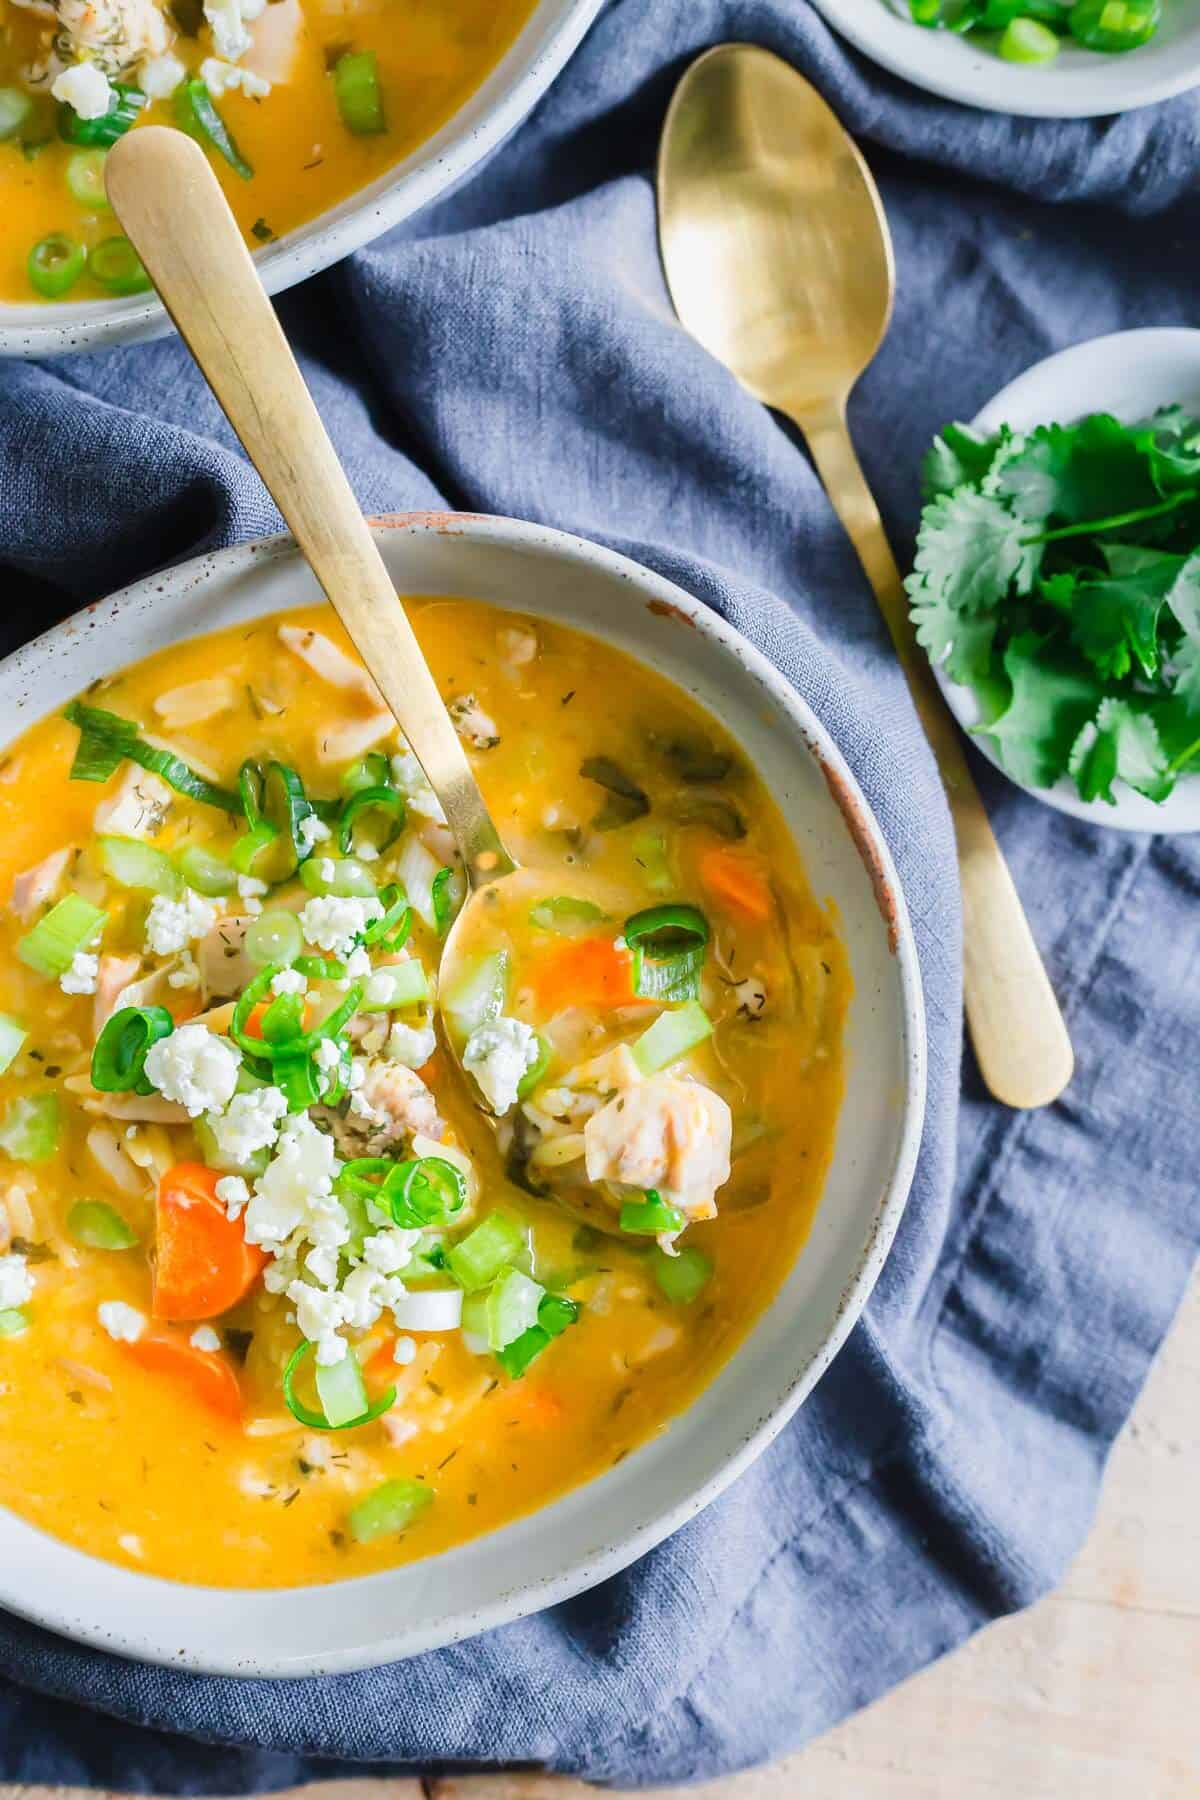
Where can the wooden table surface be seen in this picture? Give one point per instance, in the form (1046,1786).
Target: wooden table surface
(1092,1695)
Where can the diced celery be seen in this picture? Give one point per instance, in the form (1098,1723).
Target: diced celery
(512,1307)
(416,871)
(555,1313)
(342,1391)
(396,984)
(477,994)
(13,1322)
(671,1036)
(29,1128)
(207,873)
(55,941)
(12,1036)
(681,1277)
(138,865)
(274,937)
(100,1226)
(535,1074)
(392,1507)
(476,1260)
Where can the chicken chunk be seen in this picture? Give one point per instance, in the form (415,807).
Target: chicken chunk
(137,808)
(225,969)
(670,1135)
(388,1105)
(33,887)
(113,34)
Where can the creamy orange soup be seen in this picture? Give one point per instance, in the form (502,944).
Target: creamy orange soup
(312,99)
(233,1144)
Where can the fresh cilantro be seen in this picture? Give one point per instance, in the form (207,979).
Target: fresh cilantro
(1057,574)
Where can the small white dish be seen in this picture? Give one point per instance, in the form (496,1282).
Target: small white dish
(1129,374)
(606,1524)
(477,129)
(1077,84)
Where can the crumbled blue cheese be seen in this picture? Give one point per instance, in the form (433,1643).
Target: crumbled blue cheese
(409,777)
(335,922)
(171,925)
(16,1282)
(389,1251)
(159,76)
(123,1323)
(249,1124)
(312,830)
(219,77)
(295,1191)
(85,89)
(499,1056)
(81,977)
(195,1068)
(234,1194)
(205,1338)
(227,20)
(412,1045)
(289,981)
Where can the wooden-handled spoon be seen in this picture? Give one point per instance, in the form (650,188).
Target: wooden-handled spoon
(779,260)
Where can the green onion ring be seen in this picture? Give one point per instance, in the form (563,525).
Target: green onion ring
(315,1420)
(389,800)
(669,944)
(119,1057)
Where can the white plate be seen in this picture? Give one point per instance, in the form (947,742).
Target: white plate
(478,128)
(598,1529)
(1130,374)
(1077,84)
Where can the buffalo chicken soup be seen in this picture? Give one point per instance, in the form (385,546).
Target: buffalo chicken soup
(307,1267)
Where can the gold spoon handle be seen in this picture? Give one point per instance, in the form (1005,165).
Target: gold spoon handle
(178,220)
(1019,1033)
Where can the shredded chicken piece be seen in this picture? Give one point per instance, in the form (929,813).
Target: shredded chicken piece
(332,665)
(392,1104)
(663,1133)
(138,1108)
(114,34)
(194,702)
(221,958)
(137,808)
(113,978)
(340,744)
(33,887)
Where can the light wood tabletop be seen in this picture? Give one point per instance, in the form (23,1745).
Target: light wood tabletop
(1092,1695)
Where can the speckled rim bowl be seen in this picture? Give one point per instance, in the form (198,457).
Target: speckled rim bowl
(598,1529)
(493,112)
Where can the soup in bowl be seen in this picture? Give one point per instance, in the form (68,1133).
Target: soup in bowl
(314,1266)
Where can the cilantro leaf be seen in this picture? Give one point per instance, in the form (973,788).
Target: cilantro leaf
(1120,743)
(968,550)
(1173,439)
(1067,474)
(1115,620)
(958,643)
(1183,595)
(1186,683)
(1052,700)
(958,457)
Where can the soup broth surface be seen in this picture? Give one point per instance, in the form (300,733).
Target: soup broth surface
(144,1411)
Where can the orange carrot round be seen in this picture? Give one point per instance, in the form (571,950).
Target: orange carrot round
(203,1264)
(205,1374)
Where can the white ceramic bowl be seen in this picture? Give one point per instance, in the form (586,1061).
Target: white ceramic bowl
(601,1527)
(1129,374)
(1077,84)
(497,107)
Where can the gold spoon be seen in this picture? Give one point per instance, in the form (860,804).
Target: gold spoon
(779,261)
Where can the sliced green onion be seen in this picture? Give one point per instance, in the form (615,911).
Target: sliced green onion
(396,985)
(536,1073)
(138,865)
(671,1037)
(257,990)
(55,264)
(13,1322)
(29,1128)
(478,994)
(100,1226)
(358,93)
(250,846)
(669,944)
(119,1058)
(320,968)
(283,1020)
(15,107)
(204,872)
(476,1260)
(196,114)
(116,265)
(85,178)
(565,914)
(55,941)
(105,736)
(392,1507)
(299,1082)
(385,800)
(285,806)
(555,1313)
(371,770)
(646,1218)
(391,932)
(1114,25)
(125,105)
(682,1277)
(1028,41)
(512,1307)
(344,876)
(12,1037)
(427,1190)
(273,938)
(333,1389)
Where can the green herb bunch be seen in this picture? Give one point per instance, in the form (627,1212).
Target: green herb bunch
(1057,574)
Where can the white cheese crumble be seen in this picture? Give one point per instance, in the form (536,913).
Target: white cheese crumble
(159,76)
(227,20)
(289,981)
(124,1324)
(194,1068)
(171,925)
(412,1045)
(334,922)
(409,777)
(85,89)
(389,1251)
(296,1191)
(499,1056)
(311,832)
(358,963)
(251,888)
(234,1195)
(81,977)
(16,1282)
(205,1338)
(186,973)
(220,76)
(327,1055)
(404,1351)
(250,1123)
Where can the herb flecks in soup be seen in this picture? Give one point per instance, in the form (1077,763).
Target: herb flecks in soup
(286,1296)
(299,103)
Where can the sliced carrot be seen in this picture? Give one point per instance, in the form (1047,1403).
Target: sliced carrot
(204,1374)
(203,1264)
(738,880)
(588,971)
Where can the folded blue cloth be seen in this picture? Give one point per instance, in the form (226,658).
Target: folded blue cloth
(514,351)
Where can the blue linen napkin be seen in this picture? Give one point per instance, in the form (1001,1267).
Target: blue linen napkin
(514,351)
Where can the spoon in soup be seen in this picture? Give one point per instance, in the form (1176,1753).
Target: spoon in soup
(173,210)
